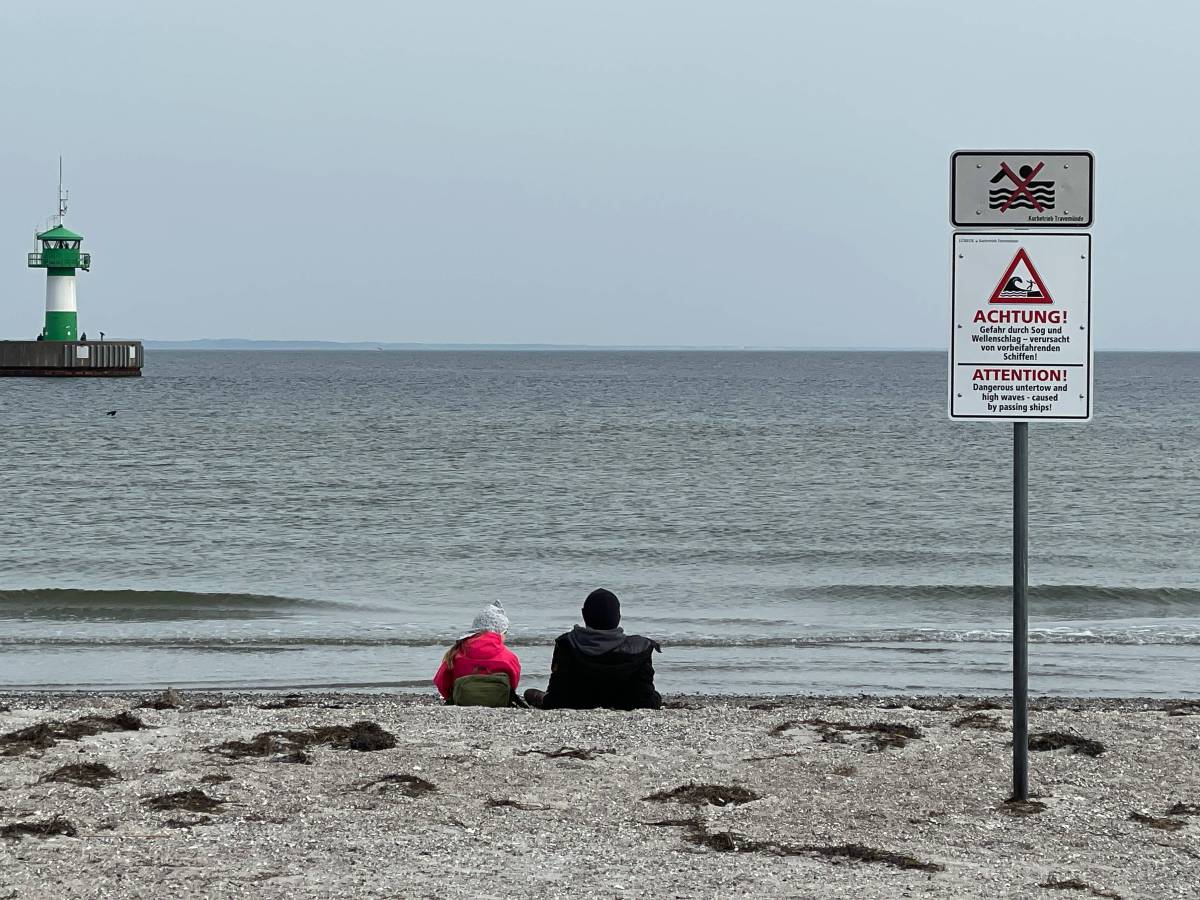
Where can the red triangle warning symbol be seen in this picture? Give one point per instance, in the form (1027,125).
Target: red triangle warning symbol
(1021,283)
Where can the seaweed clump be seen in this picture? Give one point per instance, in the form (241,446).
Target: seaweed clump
(879,736)
(193,800)
(566,753)
(289,701)
(1182,707)
(509,803)
(91,775)
(186,823)
(1076,884)
(1184,809)
(45,735)
(364,737)
(1014,807)
(979,720)
(1162,823)
(168,699)
(1057,740)
(409,785)
(701,794)
(45,828)
(730,842)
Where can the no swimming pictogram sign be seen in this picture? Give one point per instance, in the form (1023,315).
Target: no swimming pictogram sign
(1021,188)
(1020,283)
(1025,194)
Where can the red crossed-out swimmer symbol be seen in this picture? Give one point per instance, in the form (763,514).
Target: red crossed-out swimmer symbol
(1022,186)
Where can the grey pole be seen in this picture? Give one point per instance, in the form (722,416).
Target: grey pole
(1020,611)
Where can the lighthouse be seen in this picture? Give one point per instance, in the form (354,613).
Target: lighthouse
(60,350)
(59,255)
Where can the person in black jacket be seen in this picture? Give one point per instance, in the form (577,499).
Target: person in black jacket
(599,665)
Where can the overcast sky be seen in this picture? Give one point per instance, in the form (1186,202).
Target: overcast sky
(701,173)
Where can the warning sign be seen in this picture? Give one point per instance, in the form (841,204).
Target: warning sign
(1021,189)
(1020,283)
(1021,342)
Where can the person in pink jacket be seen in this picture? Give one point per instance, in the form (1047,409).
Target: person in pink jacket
(480,652)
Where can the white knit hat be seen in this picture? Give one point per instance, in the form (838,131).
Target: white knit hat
(492,618)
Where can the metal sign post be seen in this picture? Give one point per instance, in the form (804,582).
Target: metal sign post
(1020,610)
(1021,331)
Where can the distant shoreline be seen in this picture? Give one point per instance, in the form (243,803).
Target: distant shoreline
(245,344)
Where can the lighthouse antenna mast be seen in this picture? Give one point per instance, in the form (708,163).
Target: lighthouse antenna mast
(62,195)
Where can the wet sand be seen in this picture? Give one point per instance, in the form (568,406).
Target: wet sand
(717,797)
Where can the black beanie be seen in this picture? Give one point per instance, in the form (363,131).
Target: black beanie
(602,610)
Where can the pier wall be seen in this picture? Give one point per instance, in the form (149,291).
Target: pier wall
(71,358)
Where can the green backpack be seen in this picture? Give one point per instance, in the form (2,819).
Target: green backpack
(481,690)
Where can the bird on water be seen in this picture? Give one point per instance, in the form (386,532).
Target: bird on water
(111,412)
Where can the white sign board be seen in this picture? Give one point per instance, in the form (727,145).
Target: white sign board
(1021,188)
(1021,328)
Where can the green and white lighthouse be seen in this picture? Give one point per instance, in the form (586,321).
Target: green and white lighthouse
(59,255)
(61,350)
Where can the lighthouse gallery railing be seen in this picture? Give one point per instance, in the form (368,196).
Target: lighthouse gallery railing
(36,260)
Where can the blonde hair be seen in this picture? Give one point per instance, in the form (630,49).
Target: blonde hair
(453,652)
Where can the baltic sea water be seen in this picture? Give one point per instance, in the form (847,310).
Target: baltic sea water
(782,522)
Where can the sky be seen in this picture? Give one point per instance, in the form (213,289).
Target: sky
(652,173)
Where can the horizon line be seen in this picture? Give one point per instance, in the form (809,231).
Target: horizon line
(316,344)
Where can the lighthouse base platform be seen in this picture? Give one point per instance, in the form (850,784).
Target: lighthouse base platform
(71,359)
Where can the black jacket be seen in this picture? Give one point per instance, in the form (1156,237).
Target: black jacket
(602,668)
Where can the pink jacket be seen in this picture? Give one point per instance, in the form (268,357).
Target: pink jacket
(484,654)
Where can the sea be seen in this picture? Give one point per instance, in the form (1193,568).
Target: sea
(781,522)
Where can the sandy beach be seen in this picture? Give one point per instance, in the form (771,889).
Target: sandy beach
(395,796)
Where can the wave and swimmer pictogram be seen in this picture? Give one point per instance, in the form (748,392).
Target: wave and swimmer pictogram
(1023,289)
(1024,192)
(1021,283)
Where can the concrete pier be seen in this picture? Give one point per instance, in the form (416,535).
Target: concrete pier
(71,359)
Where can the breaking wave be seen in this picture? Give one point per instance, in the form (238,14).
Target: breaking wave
(798,617)
(1129,600)
(69,604)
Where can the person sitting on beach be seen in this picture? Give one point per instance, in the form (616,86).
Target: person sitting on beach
(599,665)
(479,670)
